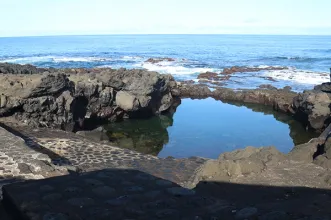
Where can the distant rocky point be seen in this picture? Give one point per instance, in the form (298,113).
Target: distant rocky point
(158,60)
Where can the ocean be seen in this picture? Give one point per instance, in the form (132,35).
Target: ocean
(308,57)
(199,127)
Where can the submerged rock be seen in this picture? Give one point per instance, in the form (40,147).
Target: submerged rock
(158,60)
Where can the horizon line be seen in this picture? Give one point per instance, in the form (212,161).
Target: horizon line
(121,34)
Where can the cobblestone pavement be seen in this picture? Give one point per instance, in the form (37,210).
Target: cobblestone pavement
(72,150)
(19,162)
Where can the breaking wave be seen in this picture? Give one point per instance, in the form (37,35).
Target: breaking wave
(298,76)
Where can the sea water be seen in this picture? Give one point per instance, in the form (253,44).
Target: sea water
(308,57)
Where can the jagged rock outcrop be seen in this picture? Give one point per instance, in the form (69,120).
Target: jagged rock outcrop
(8,68)
(54,99)
(313,107)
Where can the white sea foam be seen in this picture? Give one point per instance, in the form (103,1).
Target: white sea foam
(132,58)
(172,68)
(26,60)
(298,76)
(263,66)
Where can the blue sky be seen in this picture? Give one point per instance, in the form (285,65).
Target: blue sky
(65,17)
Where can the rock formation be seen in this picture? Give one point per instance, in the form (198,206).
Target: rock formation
(279,99)
(54,99)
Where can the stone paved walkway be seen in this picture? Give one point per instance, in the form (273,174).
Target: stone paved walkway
(68,149)
(19,162)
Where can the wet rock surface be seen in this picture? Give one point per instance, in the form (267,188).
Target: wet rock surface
(241,69)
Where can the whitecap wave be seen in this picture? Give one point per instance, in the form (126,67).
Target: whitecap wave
(174,68)
(298,76)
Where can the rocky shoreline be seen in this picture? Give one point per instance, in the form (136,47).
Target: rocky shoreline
(38,100)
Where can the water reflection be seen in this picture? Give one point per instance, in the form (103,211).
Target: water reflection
(207,128)
(298,132)
(143,135)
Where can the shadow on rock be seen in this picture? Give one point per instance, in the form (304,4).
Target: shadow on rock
(125,194)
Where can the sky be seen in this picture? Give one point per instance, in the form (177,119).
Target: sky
(80,17)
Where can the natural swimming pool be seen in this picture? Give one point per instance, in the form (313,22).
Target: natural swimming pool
(207,128)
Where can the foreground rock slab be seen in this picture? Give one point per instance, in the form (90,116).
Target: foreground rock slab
(131,194)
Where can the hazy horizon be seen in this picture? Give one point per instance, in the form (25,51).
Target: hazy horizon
(104,17)
(134,34)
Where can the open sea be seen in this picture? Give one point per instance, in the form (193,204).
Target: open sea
(199,127)
(308,56)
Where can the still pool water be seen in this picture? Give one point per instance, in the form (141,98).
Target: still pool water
(207,128)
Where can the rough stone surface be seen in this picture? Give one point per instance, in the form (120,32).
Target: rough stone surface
(247,213)
(237,163)
(304,152)
(276,215)
(126,101)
